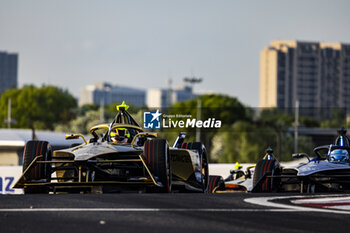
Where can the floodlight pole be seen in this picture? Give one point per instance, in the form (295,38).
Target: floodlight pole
(102,110)
(9,114)
(192,81)
(296,125)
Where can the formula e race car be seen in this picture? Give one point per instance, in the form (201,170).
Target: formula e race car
(120,157)
(329,171)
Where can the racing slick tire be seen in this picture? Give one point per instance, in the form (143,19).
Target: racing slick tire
(204,161)
(157,157)
(261,183)
(215,183)
(37,171)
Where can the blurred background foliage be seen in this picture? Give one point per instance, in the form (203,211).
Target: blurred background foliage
(40,108)
(245,133)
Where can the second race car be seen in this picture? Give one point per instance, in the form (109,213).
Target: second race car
(328,171)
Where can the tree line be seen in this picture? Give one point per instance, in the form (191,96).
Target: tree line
(243,137)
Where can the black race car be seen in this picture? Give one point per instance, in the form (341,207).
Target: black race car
(120,157)
(328,171)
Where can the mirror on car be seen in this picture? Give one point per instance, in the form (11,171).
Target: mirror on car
(75,136)
(72,136)
(300,155)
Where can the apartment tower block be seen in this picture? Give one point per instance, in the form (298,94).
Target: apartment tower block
(315,74)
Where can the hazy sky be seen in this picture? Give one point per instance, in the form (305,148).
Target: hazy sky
(72,43)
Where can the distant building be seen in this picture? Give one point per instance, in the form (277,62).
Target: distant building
(8,71)
(182,93)
(162,98)
(105,93)
(315,74)
(158,98)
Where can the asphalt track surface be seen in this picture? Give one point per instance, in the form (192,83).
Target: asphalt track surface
(237,212)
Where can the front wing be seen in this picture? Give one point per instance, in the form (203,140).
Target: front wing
(83,180)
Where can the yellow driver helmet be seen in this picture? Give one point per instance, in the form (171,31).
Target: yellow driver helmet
(120,135)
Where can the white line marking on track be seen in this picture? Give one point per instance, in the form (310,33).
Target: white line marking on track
(322,199)
(344,207)
(267,201)
(139,210)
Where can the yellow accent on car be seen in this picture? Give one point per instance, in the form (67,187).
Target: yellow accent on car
(123,106)
(238,166)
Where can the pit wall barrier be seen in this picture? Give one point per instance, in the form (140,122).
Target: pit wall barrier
(8,177)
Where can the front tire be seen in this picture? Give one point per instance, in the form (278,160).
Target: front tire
(38,172)
(157,157)
(263,168)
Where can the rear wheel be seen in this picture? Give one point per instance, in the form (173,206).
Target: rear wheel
(264,168)
(157,157)
(38,172)
(203,160)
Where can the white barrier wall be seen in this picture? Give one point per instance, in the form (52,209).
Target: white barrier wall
(8,177)
(223,169)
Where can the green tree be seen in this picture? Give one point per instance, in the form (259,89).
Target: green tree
(242,142)
(275,116)
(81,124)
(82,110)
(221,107)
(227,109)
(337,119)
(246,142)
(89,115)
(39,107)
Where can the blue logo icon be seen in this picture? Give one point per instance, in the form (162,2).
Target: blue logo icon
(151,120)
